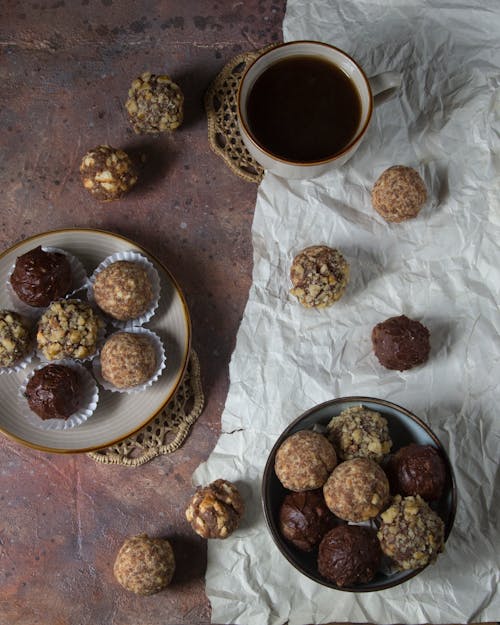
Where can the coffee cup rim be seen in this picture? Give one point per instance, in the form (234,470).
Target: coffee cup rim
(328,159)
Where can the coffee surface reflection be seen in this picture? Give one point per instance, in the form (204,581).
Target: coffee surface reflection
(303,109)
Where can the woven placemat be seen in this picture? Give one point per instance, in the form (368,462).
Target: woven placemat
(221,107)
(167,431)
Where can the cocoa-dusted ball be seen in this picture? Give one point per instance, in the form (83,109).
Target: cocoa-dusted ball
(107,173)
(145,565)
(349,554)
(411,533)
(155,104)
(360,433)
(39,277)
(401,343)
(304,461)
(215,510)
(399,193)
(305,518)
(417,470)
(319,275)
(357,490)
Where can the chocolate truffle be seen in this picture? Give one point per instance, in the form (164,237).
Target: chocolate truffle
(399,193)
(40,277)
(304,461)
(401,343)
(54,392)
(215,510)
(145,565)
(128,359)
(359,433)
(305,518)
(411,533)
(15,338)
(123,290)
(107,173)
(155,104)
(319,276)
(68,329)
(417,470)
(357,490)
(349,554)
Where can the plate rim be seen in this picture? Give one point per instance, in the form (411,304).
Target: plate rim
(269,468)
(182,371)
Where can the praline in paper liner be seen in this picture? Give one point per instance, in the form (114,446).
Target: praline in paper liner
(90,397)
(22,362)
(78,281)
(101,333)
(154,279)
(160,364)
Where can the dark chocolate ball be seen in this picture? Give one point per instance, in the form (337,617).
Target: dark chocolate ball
(401,343)
(417,470)
(40,277)
(54,392)
(305,519)
(349,554)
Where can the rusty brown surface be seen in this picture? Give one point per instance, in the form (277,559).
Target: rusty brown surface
(65,68)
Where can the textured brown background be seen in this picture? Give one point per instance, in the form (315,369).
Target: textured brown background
(65,68)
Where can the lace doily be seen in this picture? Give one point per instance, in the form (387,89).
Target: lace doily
(221,107)
(167,431)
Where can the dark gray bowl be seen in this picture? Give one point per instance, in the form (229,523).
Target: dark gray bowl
(404,428)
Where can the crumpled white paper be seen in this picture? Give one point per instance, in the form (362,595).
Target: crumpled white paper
(442,268)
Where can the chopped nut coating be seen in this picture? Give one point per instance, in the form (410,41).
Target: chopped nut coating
(155,104)
(319,276)
(411,533)
(107,173)
(360,433)
(215,511)
(68,329)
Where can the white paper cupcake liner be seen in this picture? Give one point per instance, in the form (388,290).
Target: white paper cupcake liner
(153,276)
(160,359)
(101,334)
(78,282)
(20,364)
(90,397)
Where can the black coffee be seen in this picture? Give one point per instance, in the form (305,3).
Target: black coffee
(303,108)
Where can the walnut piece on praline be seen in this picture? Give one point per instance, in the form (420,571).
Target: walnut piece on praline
(107,173)
(359,433)
(215,510)
(319,276)
(145,565)
(155,104)
(411,533)
(15,338)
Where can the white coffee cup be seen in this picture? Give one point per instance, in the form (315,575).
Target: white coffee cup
(367,88)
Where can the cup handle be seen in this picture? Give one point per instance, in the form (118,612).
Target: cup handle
(384,86)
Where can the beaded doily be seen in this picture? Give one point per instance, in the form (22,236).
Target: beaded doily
(221,107)
(167,431)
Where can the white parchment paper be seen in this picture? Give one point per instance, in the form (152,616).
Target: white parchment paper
(442,268)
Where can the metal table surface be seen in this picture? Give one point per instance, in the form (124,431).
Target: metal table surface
(66,66)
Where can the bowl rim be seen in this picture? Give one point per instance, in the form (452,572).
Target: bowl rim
(269,469)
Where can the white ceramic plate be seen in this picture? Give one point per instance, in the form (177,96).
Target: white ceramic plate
(117,415)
